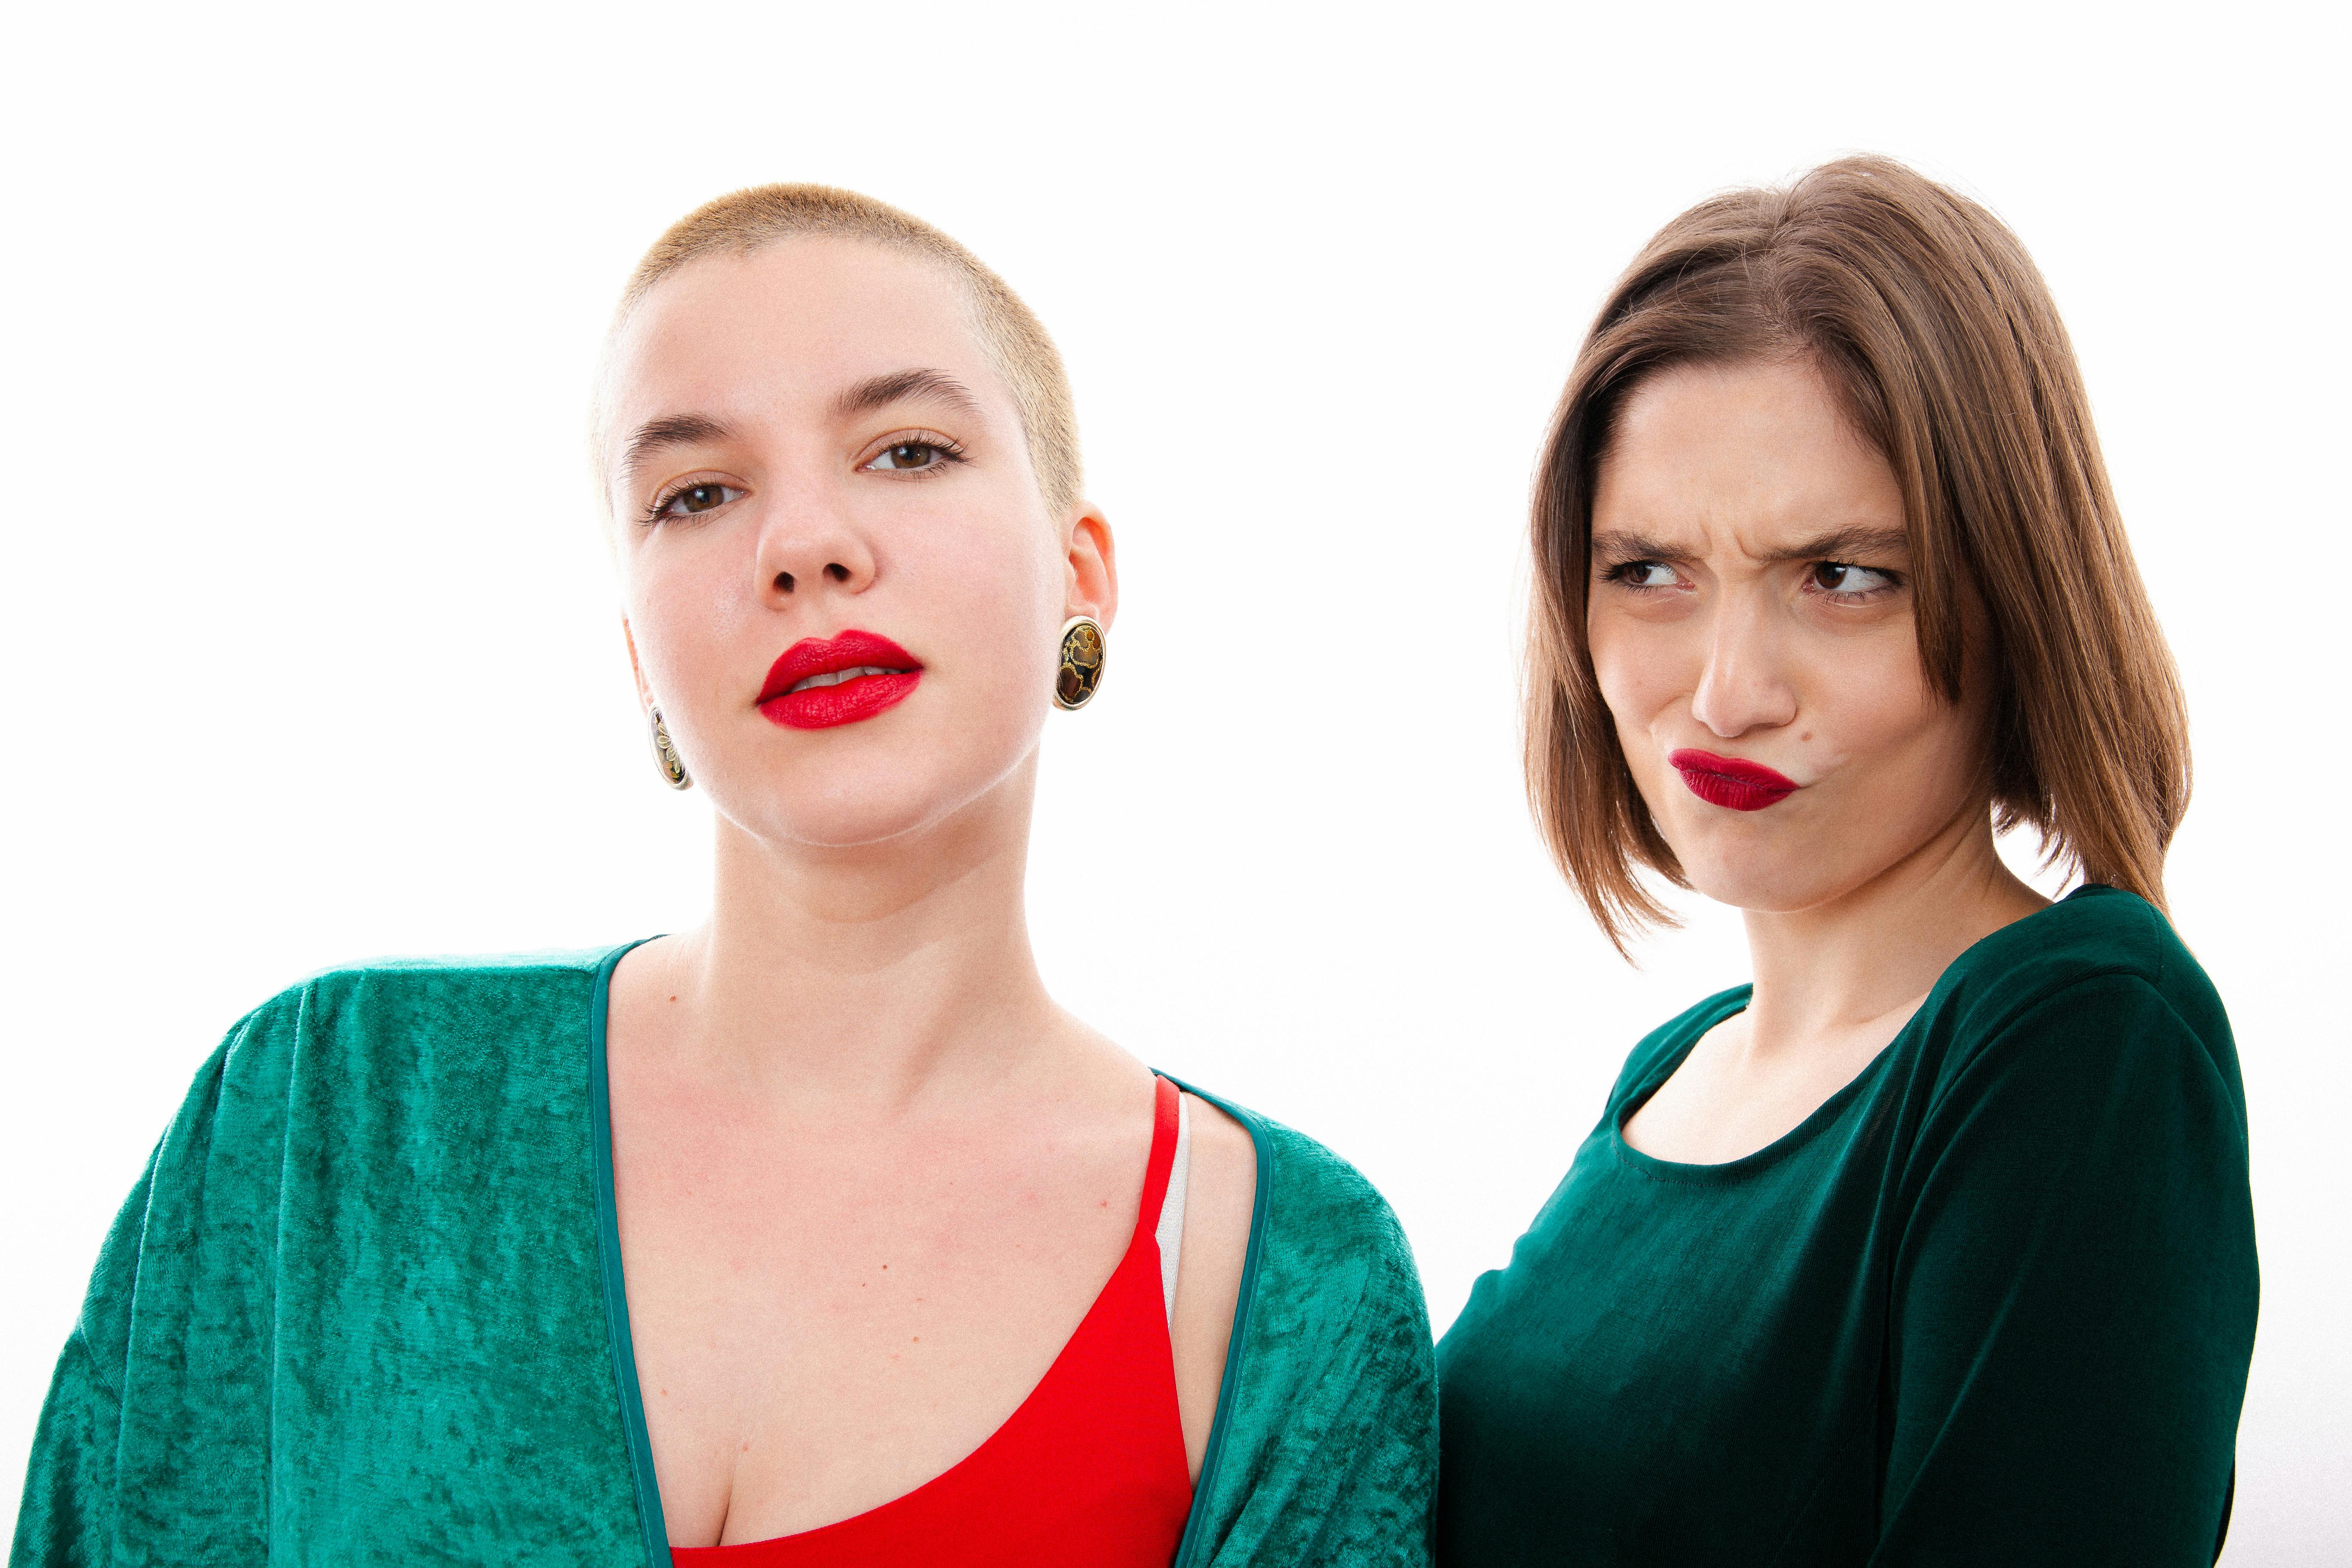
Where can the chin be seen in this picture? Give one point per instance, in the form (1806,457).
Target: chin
(1766,878)
(871,803)
(848,826)
(843,820)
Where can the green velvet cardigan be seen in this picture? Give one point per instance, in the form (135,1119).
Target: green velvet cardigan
(365,1306)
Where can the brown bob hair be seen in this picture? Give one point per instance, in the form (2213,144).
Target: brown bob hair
(1933,329)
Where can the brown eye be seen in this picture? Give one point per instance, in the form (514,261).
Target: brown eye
(694,498)
(908,455)
(1845,579)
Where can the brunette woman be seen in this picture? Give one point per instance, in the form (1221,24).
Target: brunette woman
(818,1234)
(1932,1244)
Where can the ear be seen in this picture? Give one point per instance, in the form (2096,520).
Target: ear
(636,671)
(1093,565)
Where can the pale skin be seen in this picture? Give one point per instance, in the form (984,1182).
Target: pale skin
(1752,597)
(870,1177)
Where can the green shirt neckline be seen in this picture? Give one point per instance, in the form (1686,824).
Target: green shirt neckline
(1993,1301)
(1825,1115)
(617,1292)
(1720,1172)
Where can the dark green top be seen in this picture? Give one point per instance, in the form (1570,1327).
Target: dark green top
(1991,1303)
(366,1306)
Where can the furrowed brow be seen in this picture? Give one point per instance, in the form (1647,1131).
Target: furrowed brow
(656,436)
(1847,544)
(1618,545)
(907,386)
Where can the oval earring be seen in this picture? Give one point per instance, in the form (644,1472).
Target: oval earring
(1082,663)
(673,772)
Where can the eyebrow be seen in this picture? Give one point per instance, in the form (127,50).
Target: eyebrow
(1617,545)
(905,386)
(670,430)
(1840,544)
(1846,544)
(656,436)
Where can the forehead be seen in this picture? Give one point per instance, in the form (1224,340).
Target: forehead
(1757,450)
(787,326)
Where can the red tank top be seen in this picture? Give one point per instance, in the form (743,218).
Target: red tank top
(1088,1473)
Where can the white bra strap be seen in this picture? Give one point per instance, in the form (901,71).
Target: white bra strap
(1169,1231)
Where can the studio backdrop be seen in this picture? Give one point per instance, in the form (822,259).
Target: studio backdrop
(313,650)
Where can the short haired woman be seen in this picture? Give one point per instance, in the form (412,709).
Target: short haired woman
(1934,1244)
(817,1234)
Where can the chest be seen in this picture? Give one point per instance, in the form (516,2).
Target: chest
(1688,1365)
(1722,1104)
(821,1322)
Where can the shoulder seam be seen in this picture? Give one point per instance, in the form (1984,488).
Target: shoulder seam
(2050,992)
(1997,1034)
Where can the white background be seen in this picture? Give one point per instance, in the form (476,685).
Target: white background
(312,653)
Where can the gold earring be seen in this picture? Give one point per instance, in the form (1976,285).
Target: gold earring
(673,772)
(1082,662)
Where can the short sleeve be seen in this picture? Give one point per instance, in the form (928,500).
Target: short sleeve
(2075,1297)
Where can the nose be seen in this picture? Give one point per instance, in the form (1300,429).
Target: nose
(1743,686)
(808,546)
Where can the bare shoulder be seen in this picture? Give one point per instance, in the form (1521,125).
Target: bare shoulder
(1221,1192)
(641,1000)
(1214,1129)
(1219,1197)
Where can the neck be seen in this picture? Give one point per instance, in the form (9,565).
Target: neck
(874,976)
(1870,956)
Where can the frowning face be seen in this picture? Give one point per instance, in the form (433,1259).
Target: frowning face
(1751,624)
(841,584)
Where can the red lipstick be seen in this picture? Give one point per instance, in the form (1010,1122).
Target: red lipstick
(1730,782)
(823,682)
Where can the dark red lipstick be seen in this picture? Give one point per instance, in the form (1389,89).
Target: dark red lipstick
(823,682)
(1729,781)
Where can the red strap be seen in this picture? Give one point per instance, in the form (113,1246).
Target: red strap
(1166,1096)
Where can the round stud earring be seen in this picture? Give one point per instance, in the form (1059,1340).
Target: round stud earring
(673,772)
(1082,662)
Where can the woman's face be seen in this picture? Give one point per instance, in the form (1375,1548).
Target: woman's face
(842,585)
(1751,624)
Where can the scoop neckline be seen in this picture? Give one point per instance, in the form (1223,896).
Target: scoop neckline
(1734,1001)
(1725,1172)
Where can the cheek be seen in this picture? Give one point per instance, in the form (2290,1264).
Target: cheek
(1875,709)
(992,601)
(684,619)
(1637,667)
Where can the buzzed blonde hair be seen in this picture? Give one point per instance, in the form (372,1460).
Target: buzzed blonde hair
(1015,340)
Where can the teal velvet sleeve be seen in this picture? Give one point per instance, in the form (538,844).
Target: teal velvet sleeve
(1330,1448)
(2075,1297)
(186,1258)
(350,1317)
(66,1515)
(353,1314)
